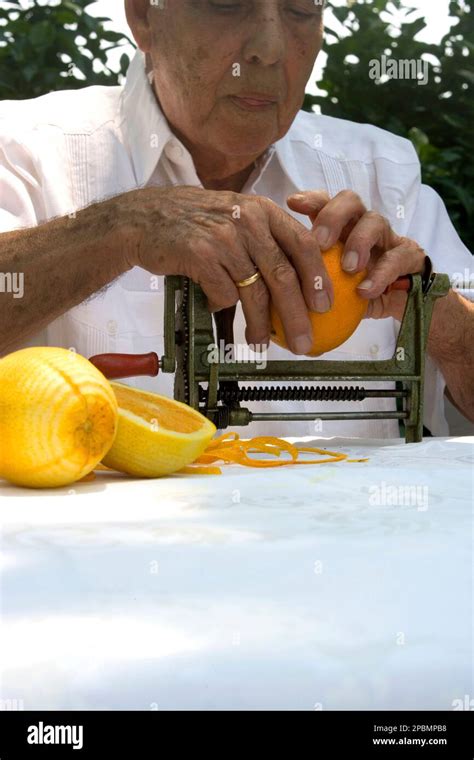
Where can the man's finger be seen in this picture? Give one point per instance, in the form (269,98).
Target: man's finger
(285,292)
(255,300)
(308,203)
(391,305)
(298,243)
(371,230)
(406,258)
(220,290)
(345,208)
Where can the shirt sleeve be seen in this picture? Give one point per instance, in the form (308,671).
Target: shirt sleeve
(21,201)
(432,228)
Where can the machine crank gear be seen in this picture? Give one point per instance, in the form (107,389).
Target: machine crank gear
(182,346)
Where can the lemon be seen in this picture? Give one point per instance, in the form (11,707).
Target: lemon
(58,417)
(334,327)
(156,435)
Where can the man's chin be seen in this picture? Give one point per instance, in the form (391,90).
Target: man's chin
(240,143)
(245,134)
(247,149)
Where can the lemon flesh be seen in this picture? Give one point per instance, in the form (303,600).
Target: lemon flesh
(156,435)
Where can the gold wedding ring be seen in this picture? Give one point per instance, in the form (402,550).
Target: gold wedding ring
(249,280)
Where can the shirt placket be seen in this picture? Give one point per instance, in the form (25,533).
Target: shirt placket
(341,174)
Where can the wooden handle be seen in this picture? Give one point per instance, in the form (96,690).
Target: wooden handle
(403,283)
(115,366)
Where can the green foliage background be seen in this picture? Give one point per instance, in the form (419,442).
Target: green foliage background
(44,47)
(440,127)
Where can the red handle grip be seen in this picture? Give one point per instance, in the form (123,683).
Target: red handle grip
(403,283)
(115,366)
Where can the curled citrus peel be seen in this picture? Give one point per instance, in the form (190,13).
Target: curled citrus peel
(230,449)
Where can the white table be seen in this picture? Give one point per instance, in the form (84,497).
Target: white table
(292,588)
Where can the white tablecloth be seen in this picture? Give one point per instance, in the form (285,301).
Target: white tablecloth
(312,587)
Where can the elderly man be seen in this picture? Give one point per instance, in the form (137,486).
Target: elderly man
(106,190)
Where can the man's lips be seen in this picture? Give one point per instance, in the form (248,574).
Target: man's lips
(254,101)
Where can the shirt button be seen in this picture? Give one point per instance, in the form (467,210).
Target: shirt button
(374,349)
(174,152)
(112,327)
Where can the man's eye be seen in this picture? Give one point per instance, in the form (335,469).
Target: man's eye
(304,15)
(299,14)
(233,6)
(225,7)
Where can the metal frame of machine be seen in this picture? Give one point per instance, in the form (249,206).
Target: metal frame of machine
(189,333)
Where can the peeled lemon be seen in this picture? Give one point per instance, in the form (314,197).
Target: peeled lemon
(58,417)
(333,327)
(156,435)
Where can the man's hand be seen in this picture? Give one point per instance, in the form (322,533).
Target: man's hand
(370,243)
(217,238)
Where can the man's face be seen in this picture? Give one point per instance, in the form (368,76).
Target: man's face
(231,74)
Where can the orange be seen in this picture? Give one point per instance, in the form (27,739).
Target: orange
(156,435)
(335,326)
(58,417)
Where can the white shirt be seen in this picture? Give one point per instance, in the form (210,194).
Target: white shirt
(66,150)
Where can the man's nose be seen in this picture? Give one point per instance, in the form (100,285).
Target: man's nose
(266,43)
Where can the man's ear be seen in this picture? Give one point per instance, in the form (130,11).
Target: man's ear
(137,18)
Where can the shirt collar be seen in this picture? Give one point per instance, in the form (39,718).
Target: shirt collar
(147,130)
(145,127)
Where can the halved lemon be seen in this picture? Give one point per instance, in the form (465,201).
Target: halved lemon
(156,435)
